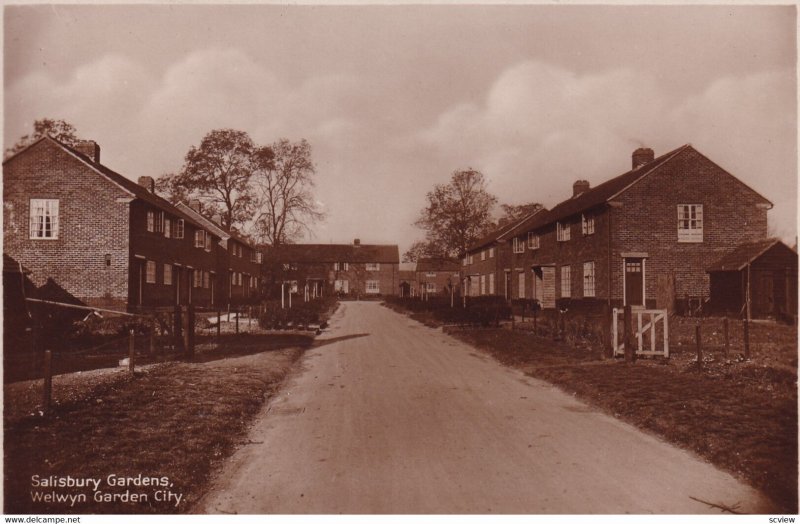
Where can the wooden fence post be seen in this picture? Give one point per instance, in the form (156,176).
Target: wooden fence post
(153,335)
(630,350)
(699,341)
(219,324)
(190,330)
(237,320)
(746,339)
(177,330)
(47,389)
(535,331)
(726,333)
(131,351)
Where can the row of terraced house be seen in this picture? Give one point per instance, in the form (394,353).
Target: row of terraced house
(672,231)
(75,226)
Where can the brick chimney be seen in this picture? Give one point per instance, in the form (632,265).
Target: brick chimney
(642,156)
(88,148)
(580,186)
(357,242)
(148,183)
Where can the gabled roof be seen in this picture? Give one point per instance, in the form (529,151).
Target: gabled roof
(532,221)
(127,185)
(323,253)
(744,254)
(496,234)
(437,264)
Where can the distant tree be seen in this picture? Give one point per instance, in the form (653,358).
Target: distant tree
(283,183)
(458,213)
(61,130)
(218,173)
(422,249)
(169,186)
(512,212)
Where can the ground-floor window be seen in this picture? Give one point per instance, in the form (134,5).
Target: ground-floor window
(521,288)
(430,287)
(167,274)
(341,286)
(491,283)
(588,279)
(483,284)
(373,286)
(150,272)
(566,290)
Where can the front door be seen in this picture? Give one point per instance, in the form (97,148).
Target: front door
(538,285)
(634,282)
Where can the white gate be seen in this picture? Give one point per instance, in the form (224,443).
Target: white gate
(646,324)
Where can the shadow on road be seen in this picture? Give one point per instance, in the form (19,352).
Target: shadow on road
(325,342)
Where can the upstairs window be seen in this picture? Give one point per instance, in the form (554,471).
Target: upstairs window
(518,245)
(373,266)
(483,255)
(587,224)
(208,239)
(464,262)
(491,252)
(690,223)
(533,240)
(44,218)
(562,231)
(259,257)
(336,266)
(200,238)
(151,221)
(167,228)
(179,228)
(471,259)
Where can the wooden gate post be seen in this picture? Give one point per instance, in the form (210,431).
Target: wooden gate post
(237,320)
(699,341)
(190,331)
(726,333)
(131,351)
(630,350)
(746,339)
(47,389)
(177,330)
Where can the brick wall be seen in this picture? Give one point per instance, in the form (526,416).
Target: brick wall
(496,265)
(92,224)
(357,275)
(647,222)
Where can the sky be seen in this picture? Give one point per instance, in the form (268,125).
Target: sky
(393,99)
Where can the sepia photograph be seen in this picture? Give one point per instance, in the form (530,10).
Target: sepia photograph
(437,260)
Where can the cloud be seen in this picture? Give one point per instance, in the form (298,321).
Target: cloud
(540,127)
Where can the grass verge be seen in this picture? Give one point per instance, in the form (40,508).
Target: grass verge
(739,416)
(175,420)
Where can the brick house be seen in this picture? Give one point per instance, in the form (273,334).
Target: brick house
(486,266)
(102,238)
(643,238)
(437,275)
(238,261)
(347,269)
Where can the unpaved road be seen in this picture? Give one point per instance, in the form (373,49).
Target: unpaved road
(389,416)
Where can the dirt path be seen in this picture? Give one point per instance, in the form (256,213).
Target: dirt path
(388,416)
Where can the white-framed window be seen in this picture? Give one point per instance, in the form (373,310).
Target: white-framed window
(179,228)
(44,218)
(336,266)
(208,241)
(430,275)
(587,224)
(464,262)
(150,272)
(521,285)
(588,279)
(491,252)
(373,287)
(566,290)
(690,223)
(471,259)
(518,246)
(483,254)
(167,227)
(151,221)
(259,257)
(341,286)
(233,278)
(483,284)
(167,274)
(562,231)
(430,287)
(491,283)
(160,222)
(199,238)
(373,266)
(533,240)
(206,279)
(197,278)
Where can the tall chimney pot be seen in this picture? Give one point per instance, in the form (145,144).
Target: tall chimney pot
(88,148)
(357,242)
(642,156)
(580,186)
(148,183)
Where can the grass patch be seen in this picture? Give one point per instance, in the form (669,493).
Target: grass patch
(176,420)
(740,416)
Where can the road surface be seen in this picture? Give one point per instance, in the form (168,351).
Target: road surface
(389,416)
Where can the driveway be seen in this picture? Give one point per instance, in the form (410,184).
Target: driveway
(386,415)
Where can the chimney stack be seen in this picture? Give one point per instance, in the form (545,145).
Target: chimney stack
(357,242)
(88,148)
(580,186)
(642,156)
(148,183)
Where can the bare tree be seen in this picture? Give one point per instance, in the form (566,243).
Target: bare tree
(283,182)
(61,130)
(513,212)
(458,213)
(423,249)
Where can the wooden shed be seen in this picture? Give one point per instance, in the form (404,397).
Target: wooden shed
(756,280)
